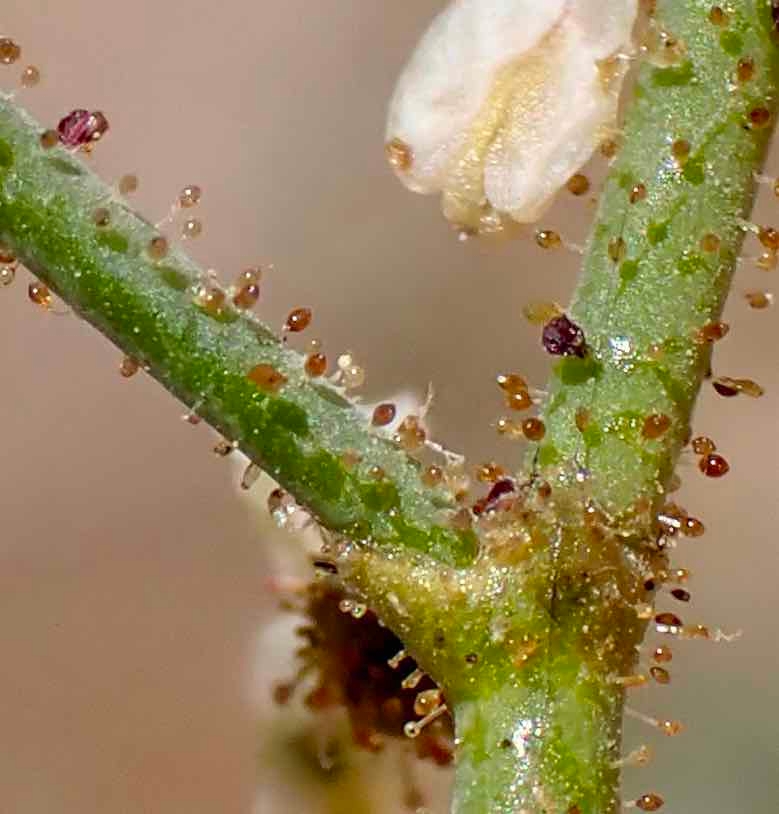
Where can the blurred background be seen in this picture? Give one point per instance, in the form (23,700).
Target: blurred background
(140,640)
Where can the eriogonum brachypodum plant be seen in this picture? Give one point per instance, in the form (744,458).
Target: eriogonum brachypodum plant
(528,606)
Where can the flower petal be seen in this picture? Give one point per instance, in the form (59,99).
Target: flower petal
(503,100)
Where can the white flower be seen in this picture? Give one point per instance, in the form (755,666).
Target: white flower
(503,100)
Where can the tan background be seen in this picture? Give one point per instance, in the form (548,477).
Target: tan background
(130,571)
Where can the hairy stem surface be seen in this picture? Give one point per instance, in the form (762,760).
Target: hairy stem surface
(530,622)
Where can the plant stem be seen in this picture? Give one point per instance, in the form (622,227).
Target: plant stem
(530,629)
(302,433)
(661,258)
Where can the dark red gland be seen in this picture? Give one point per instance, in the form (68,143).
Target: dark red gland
(501,488)
(82,127)
(563,337)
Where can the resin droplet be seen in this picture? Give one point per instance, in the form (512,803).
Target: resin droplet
(745,70)
(9,51)
(298,320)
(617,250)
(662,654)
(31,76)
(39,294)
(583,418)
(650,802)
(489,472)
(547,239)
(316,364)
(759,299)
(211,299)
(190,196)
(191,228)
(534,429)
(267,378)
(247,288)
(759,117)
(101,217)
(80,127)
(49,139)
(410,434)
(717,16)
(714,331)
(7,254)
(680,150)
(427,701)
(660,675)
(512,383)
(399,155)
(519,401)
(7,274)
(578,184)
(128,367)
(655,426)
(671,728)
(433,476)
(563,337)
(127,184)
(710,243)
(638,193)
(250,476)
(158,247)
(383,414)
(701,445)
(714,466)
(692,527)
(539,313)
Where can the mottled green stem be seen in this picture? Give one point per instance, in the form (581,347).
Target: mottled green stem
(299,434)
(531,638)
(652,278)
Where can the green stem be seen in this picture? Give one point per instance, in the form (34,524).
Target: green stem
(530,638)
(663,251)
(303,435)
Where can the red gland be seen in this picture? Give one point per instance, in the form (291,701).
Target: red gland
(563,337)
(80,127)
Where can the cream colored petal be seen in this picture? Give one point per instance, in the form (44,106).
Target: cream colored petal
(450,76)
(502,131)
